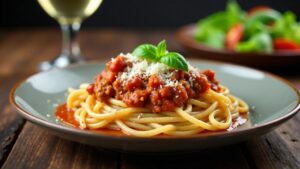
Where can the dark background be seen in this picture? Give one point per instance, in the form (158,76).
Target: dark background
(131,13)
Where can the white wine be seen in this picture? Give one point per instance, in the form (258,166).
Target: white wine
(70,11)
(69,14)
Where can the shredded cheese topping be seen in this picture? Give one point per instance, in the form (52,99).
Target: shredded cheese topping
(144,68)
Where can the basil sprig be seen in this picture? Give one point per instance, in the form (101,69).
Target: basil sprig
(160,54)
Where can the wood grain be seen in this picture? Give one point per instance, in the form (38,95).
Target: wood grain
(20,59)
(229,157)
(10,122)
(36,148)
(10,126)
(21,51)
(279,149)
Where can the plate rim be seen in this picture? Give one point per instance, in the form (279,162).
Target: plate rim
(86,133)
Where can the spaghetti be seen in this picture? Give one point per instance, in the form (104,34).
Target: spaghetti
(141,102)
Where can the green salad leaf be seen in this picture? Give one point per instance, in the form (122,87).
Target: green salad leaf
(212,29)
(260,42)
(234,14)
(260,26)
(287,27)
(258,22)
(216,39)
(160,54)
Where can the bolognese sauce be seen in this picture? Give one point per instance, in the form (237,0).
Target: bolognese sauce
(125,80)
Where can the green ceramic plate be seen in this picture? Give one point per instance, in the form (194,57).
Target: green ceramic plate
(272,101)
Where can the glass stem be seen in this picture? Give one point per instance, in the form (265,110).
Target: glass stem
(70,47)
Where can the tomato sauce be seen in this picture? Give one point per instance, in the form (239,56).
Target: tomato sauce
(152,91)
(66,115)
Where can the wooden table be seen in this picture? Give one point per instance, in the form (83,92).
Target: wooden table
(24,145)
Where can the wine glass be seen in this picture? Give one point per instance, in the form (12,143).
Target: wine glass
(69,14)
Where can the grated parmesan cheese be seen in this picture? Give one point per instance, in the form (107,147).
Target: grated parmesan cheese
(145,68)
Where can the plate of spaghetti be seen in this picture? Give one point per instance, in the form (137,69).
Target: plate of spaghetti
(154,100)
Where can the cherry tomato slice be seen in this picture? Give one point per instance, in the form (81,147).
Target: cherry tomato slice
(234,36)
(285,44)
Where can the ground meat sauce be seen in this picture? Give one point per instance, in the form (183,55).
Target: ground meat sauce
(151,92)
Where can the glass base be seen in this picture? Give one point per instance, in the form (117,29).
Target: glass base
(60,62)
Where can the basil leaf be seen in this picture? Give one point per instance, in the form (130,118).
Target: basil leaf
(159,54)
(161,48)
(174,60)
(146,51)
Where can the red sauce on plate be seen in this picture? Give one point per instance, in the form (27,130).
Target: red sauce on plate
(66,115)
